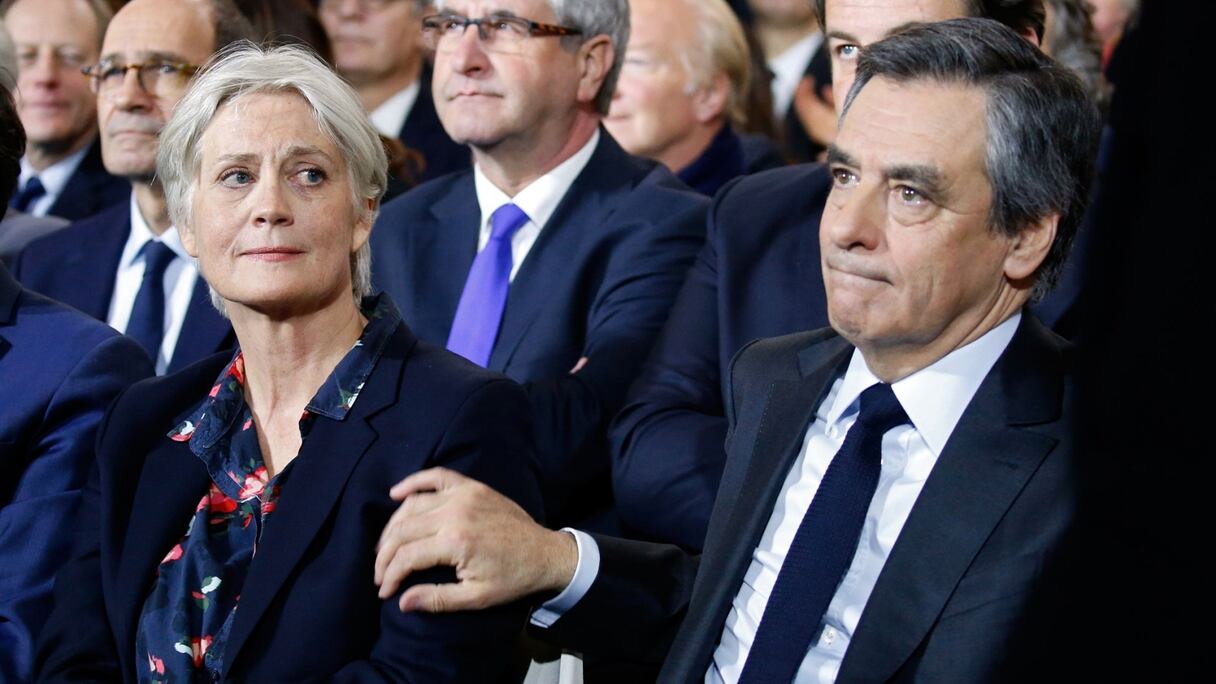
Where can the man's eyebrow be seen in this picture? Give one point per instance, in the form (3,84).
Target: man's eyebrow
(926,178)
(145,56)
(839,156)
(843,35)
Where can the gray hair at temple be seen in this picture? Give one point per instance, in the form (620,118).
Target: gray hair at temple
(246,69)
(594,18)
(1042,125)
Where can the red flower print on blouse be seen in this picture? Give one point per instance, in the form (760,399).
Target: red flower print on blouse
(219,502)
(155,664)
(255,483)
(174,554)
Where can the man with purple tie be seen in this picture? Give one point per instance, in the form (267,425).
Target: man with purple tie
(555,259)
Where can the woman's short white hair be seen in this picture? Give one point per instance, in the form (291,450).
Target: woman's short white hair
(245,69)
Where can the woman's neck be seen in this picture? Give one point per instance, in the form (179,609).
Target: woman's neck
(286,361)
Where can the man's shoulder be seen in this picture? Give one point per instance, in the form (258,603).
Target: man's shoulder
(422,197)
(787,356)
(111,225)
(787,190)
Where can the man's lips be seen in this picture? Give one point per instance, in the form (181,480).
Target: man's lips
(854,271)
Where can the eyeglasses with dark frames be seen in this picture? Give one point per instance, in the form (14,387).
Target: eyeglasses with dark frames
(155,77)
(442,32)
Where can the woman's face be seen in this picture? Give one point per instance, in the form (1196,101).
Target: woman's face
(273,222)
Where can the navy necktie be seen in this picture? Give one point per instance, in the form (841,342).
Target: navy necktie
(147,324)
(824,545)
(29,194)
(475,327)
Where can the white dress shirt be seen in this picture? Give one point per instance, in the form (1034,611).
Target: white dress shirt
(180,278)
(539,200)
(54,178)
(389,118)
(788,69)
(934,399)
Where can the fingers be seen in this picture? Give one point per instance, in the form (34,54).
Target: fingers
(442,598)
(429,480)
(393,568)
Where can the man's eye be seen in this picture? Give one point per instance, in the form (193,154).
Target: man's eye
(848,51)
(910,196)
(844,176)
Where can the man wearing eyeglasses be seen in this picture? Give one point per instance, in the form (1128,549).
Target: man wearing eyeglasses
(126,265)
(377,47)
(61,173)
(556,258)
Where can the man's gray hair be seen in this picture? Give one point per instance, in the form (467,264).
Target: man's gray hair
(1042,124)
(594,18)
(246,69)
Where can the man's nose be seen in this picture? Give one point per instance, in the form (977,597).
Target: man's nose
(469,55)
(854,217)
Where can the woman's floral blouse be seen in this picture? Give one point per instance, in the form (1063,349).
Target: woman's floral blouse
(187,618)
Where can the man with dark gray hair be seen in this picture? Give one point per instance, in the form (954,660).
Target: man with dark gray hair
(556,258)
(900,495)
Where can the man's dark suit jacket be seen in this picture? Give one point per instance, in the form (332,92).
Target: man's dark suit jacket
(968,592)
(424,133)
(597,283)
(90,189)
(77,266)
(59,370)
(758,275)
(308,608)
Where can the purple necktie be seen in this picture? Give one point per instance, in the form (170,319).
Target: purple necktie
(485,291)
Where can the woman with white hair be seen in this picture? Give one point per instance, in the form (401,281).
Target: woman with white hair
(238,503)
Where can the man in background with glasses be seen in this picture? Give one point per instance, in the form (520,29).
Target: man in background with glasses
(126,265)
(61,173)
(556,258)
(377,47)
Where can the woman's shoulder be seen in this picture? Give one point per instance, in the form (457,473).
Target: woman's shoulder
(155,402)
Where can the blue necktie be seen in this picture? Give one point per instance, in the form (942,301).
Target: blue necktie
(147,324)
(824,545)
(29,194)
(475,327)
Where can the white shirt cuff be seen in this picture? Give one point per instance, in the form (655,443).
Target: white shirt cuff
(584,575)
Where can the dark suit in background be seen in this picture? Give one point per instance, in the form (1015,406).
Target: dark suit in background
(308,607)
(90,189)
(59,369)
(424,133)
(961,595)
(18,229)
(597,283)
(758,275)
(77,266)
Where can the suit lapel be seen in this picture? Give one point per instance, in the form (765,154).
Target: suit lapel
(171,483)
(319,476)
(204,330)
(446,248)
(587,203)
(985,464)
(788,410)
(94,261)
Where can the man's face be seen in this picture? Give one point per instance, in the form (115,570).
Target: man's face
(653,108)
(373,41)
(851,25)
(130,117)
(54,39)
(486,98)
(908,255)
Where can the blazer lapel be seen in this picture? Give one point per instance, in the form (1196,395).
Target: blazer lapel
(446,248)
(982,469)
(94,262)
(587,203)
(204,330)
(319,475)
(788,411)
(171,483)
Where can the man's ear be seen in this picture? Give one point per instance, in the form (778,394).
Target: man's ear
(709,102)
(1030,247)
(596,58)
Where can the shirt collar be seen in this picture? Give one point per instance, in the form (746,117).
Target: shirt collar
(141,233)
(788,69)
(936,396)
(207,424)
(389,118)
(54,177)
(540,199)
